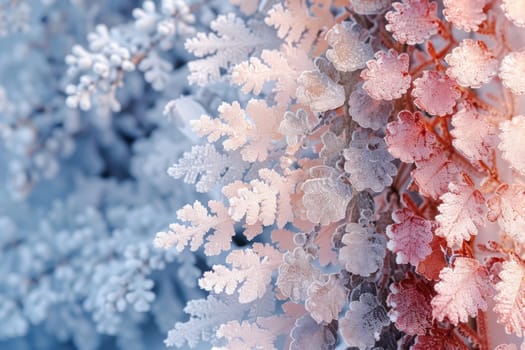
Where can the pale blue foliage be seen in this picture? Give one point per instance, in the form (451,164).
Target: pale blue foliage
(82,192)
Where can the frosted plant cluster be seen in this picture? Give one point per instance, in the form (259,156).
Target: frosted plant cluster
(262,174)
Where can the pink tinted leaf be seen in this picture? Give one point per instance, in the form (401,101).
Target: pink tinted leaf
(387,77)
(474,135)
(462,290)
(508,207)
(350,49)
(435,93)
(433,175)
(410,306)
(408,139)
(412,21)
(515,11)
(264,132)
(326,299)
(510,297)
(410,237)
(296,274)
(465,14)
(319,92)
(246,335)
(512,145)
(461,212)
(471,64)
(512,72)
(435,262)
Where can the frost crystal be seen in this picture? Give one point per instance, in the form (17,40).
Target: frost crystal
(386,77)
(413,21)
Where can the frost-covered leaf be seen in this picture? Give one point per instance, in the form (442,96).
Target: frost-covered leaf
(333,146)
(435,93)
(515,11)
(461,212)
(367,112)
(319,92)
(307,334)
(408,139)
(387,77)
(232,123)
(512,72)
(512,145)
(326,198)
(508,207)
(363,322)
(280,66)
(510,297)
(263,200)
(350,47)
(326,299)
(299,22)
(231,44)
(474,134)
(471,64)
(410,237)
(410,305)
(204,166)
(200,223)
(433,175)
(250,274)
(246,335)
(462,290)
(253,130)
(465,14)
(295,126)
(412,21)
(363,251)
(435,261)
(296,274)
(368,162)
(206,315)
(265,131)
